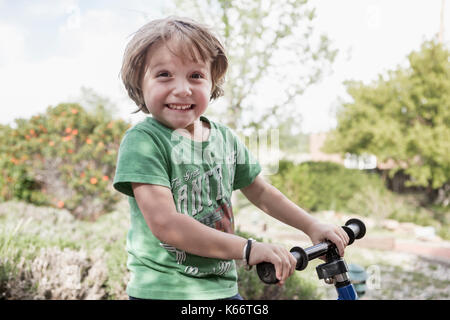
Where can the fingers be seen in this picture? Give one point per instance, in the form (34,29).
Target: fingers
(285,265)
(340,238)
(337,235)
(283,261)
(344,237)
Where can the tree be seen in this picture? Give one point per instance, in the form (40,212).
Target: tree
(403,117)
(273,53)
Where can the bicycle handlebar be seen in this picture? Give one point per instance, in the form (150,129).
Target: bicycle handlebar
(354,228)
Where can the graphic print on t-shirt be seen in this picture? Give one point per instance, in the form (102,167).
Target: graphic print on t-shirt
(202,195)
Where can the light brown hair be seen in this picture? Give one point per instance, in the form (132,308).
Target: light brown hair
(194,41)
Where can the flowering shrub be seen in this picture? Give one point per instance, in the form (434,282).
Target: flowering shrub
(63,158)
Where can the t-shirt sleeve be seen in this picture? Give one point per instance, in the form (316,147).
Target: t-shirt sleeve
(247,166)
(139,160)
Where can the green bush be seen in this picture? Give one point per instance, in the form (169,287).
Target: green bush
(318,186)
(323,185)
(63,158)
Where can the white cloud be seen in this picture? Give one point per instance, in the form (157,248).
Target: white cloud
(32,87)
(12,44)
(89,55)
(99,44)
(49,8)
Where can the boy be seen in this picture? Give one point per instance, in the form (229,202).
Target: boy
(179,170)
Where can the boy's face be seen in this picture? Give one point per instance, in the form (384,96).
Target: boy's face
(176,91)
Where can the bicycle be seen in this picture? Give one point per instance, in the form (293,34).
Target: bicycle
(333,271)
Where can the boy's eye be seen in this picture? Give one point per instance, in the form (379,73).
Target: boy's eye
(163,74)
(197,76)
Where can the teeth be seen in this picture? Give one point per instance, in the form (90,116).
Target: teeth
(179,107)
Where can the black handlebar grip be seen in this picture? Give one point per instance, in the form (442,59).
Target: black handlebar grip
(301,256)
(266,272)
(355,229)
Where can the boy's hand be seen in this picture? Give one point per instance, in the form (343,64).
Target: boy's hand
(319,232)
(279,256)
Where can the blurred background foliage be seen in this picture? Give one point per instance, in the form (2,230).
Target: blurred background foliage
(64,157)
(56,168)
(404,119)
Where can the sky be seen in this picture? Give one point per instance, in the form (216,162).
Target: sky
(49,49)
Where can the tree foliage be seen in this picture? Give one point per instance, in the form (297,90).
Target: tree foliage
(273,53)
(403,118)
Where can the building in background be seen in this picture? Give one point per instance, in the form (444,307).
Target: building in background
(350,161)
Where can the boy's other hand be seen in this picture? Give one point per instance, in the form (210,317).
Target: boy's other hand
(320,232)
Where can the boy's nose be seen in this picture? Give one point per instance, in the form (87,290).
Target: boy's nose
(182,88)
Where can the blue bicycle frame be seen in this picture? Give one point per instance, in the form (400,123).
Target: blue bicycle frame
(347,293)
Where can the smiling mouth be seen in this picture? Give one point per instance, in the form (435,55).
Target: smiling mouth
(180,107)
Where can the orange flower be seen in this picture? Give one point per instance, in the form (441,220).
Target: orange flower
(74,111)
(68,130)
(70,151)
(32,132)
(68,138)
(83,174)
(105,178)
(51,143)
(60,204)
(75,132)
(88,141)
(93,180)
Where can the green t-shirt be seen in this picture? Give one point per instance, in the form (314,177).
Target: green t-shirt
(201,176)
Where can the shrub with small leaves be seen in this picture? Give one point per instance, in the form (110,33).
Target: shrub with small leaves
(319,186)
(63,158)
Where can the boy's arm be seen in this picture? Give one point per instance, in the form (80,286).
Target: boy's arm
(182,231)
(190,235)
(270,200)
